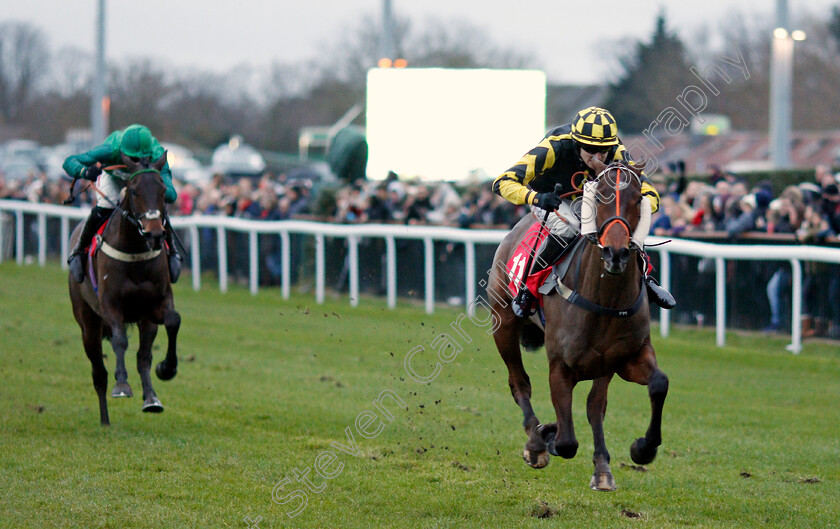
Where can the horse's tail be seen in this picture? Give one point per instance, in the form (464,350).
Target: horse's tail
(532,337)
(106,332)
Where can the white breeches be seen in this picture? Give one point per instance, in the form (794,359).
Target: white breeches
(565,222)
(111,187)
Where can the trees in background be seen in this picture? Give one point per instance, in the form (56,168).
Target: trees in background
(42,95)
(24,61)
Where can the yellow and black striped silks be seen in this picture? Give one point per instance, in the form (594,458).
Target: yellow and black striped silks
(555,160)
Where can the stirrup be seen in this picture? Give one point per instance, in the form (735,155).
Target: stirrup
(523,305)
(659,295)
(76,263)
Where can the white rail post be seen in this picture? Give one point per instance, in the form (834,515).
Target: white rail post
(19,232)
(65,238)
(285,264)
(720,300)
(42,239)
(254,261)
(795,346)
(2,234)
(469,258)
(429,273)
(195,257)
(391,273)
(353,258)
(221,242)
(319,268)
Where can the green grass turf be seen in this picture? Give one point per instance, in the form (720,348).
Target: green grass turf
(265,385)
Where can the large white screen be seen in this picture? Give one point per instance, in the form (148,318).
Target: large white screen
(443,125)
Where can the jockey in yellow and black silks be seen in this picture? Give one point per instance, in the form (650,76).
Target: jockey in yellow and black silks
(136,142)
(563,152)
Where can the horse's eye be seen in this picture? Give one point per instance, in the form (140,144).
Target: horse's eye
(134,159)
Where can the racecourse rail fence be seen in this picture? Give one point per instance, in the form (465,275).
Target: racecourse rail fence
(715,283)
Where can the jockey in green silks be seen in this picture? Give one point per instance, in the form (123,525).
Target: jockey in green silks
(136,142)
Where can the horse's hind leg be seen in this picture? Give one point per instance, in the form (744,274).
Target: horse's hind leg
(596,409)
(645,371)
(507,341)
(168,368)
(119,342)
(148,332)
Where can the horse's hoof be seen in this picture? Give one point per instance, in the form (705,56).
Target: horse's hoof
(122,390)
(536,459)
(641,452)
(165,374)
(152,406)
(602,482)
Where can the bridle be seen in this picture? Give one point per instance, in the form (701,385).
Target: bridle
(131,215)
(617,219)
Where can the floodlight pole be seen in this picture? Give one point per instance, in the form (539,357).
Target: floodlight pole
(98,102)
(781,81)
(387,46)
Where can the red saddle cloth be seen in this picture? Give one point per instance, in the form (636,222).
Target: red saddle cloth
(94,243)
(521,259)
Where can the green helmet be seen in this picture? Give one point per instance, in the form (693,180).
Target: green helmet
(595,126)
(136,142)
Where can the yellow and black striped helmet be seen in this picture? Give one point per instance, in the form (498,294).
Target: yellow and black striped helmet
(595,126)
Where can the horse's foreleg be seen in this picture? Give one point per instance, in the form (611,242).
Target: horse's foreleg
(168,368)
(645,371)
(562,383)
(507,342)
(92,340)
(119,342)
(596,409)
(148,332)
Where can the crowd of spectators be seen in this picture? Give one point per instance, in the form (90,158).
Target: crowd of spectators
(278,197)
(725,204)
(721,204)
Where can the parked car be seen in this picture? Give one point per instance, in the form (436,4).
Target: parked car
(51,160)
(237,158)
(185,167)
(18,167)
(19,159)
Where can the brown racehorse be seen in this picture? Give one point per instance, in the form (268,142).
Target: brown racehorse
(131,277)
(606,332)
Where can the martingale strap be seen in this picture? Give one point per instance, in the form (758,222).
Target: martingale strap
(113,253)
(572,296)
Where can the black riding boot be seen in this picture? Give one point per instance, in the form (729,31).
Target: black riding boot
(523,304)
(76,260)
(656,293)
(172,253)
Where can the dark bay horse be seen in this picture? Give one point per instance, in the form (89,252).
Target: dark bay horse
(608,336)
(128,282)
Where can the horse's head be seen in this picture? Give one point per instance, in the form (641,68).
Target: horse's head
(144,194)
(612,210)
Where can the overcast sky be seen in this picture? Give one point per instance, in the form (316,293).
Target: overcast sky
(563,36)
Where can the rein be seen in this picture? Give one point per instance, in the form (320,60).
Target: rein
(571,294)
